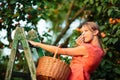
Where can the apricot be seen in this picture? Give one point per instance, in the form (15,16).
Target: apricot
(103,34)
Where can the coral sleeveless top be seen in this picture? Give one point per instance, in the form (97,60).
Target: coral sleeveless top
(82,66)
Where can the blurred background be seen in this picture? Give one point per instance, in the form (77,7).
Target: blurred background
(56,22)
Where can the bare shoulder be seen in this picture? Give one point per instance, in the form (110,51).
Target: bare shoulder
(83,50)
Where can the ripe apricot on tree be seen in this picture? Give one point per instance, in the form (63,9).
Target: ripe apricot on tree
(103,34)
(1,20)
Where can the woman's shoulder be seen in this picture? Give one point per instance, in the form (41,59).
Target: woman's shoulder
(93,49)
(87,45)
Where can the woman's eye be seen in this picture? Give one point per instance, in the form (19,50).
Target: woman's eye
(86,30)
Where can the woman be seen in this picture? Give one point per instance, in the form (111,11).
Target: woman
(86,56)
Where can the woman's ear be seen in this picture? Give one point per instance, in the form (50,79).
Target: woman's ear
(95,32)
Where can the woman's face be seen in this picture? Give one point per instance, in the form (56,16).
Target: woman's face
(87,34)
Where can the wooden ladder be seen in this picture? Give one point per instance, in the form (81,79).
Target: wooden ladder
(20,37)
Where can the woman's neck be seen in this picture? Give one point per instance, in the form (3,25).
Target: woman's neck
(96,42)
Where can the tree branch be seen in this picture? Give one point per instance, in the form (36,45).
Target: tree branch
(78,13)
(64,45)
(68,22)
(70,10)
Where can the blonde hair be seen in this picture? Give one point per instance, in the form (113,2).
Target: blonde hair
(92,26)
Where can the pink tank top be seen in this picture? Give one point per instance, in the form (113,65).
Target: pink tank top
(81,67)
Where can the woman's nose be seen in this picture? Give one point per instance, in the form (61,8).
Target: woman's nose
(83,33)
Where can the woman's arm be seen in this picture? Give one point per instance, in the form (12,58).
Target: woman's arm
(80,50)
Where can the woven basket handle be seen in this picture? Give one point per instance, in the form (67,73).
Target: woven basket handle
(56,51)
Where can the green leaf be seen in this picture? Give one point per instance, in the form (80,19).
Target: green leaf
(12,1)
(113,1)
(118,32)
(116,70)
(115,27)
(110,40)
(115,40)
(110,12)
(91,1)
(99,8)
(105,39)
(103,62)
(46,35)
(86,1)
(110,54)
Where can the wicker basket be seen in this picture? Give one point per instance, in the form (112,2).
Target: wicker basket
(50,68)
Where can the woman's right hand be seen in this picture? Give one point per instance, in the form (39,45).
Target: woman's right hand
(79,40)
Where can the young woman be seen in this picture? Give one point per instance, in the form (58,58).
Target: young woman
(86,56)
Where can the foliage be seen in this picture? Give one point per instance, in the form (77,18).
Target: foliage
(17,11)
(3,64)
(64,11)
(102,12)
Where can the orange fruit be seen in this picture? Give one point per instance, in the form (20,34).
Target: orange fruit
(39,8)
(110,20)
(118,20)
(114,21)
(103,34)
(1,20)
